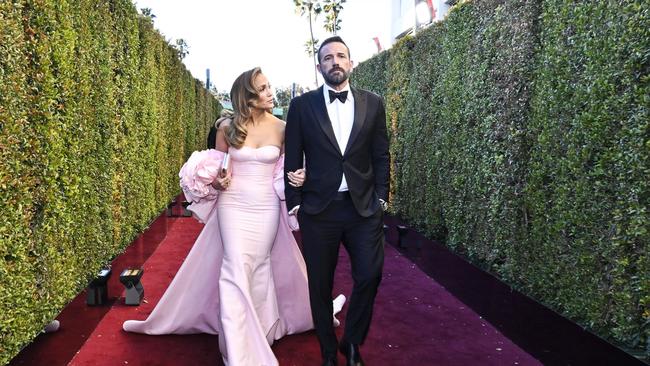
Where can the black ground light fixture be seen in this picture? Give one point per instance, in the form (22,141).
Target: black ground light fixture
(386,233)
(170,208)
(401,235)
(130,278)
(184,211)
(98,289)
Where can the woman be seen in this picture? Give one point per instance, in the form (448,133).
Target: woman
(257,290)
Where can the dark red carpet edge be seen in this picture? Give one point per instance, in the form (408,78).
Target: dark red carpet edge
(416,322)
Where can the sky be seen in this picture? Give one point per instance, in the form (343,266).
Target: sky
(232,36)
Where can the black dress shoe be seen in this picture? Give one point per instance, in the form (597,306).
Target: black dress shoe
(351,353)
(329,361)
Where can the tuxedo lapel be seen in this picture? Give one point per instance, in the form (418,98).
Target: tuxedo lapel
(360,108)
(317,104)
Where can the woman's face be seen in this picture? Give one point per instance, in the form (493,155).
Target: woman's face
(265,95)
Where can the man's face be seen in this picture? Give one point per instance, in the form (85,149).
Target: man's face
(335,64)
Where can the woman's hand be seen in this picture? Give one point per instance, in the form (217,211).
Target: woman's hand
(296,178)
(221,183)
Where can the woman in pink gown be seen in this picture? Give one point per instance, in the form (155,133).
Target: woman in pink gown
(245,277)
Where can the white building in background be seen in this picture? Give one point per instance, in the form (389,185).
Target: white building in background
(407,15)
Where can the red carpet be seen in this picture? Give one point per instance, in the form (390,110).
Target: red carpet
(416,322)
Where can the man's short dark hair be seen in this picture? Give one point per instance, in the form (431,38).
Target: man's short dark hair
(330,40)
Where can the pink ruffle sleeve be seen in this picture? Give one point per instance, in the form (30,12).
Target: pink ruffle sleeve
(196,178)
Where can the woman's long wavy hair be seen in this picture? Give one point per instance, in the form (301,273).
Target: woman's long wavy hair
(242,95)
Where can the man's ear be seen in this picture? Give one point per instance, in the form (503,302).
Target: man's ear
(318,68)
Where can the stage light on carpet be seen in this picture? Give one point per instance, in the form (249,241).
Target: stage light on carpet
(401,235)
(182,207)
(130,278)
(170,208)
(186,212)
(98,289)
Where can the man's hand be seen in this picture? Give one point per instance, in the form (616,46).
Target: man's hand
(383,204)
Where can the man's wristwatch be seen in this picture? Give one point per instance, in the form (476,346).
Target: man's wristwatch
(384,204)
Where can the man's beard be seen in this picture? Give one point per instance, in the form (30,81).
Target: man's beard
(337,79)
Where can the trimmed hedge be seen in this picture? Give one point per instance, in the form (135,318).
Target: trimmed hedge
(588,192)
(520,135)
(97,113)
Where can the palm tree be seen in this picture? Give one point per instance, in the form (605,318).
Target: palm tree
(332,9)
(310,8)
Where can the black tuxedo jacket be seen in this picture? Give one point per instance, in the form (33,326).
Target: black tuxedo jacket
(365,160)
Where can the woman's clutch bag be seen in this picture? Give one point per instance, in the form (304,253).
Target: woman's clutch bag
(225,165)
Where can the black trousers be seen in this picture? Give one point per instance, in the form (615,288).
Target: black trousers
(363,239)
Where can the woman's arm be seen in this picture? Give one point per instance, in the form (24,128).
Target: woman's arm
(221,144)
(222,183)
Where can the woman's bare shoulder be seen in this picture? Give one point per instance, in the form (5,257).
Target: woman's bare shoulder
(278,122)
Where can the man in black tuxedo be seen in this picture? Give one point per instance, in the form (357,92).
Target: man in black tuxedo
(342,133)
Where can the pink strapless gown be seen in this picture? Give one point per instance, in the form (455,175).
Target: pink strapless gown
(249,212)
(245,277)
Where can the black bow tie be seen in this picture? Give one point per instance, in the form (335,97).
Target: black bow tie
(342,96)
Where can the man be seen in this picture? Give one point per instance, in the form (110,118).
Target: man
(342,133)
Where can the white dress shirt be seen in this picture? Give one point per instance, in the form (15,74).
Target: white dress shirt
(342,117)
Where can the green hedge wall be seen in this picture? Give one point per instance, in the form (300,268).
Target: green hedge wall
(520,135)
(588,192)
(97,113)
